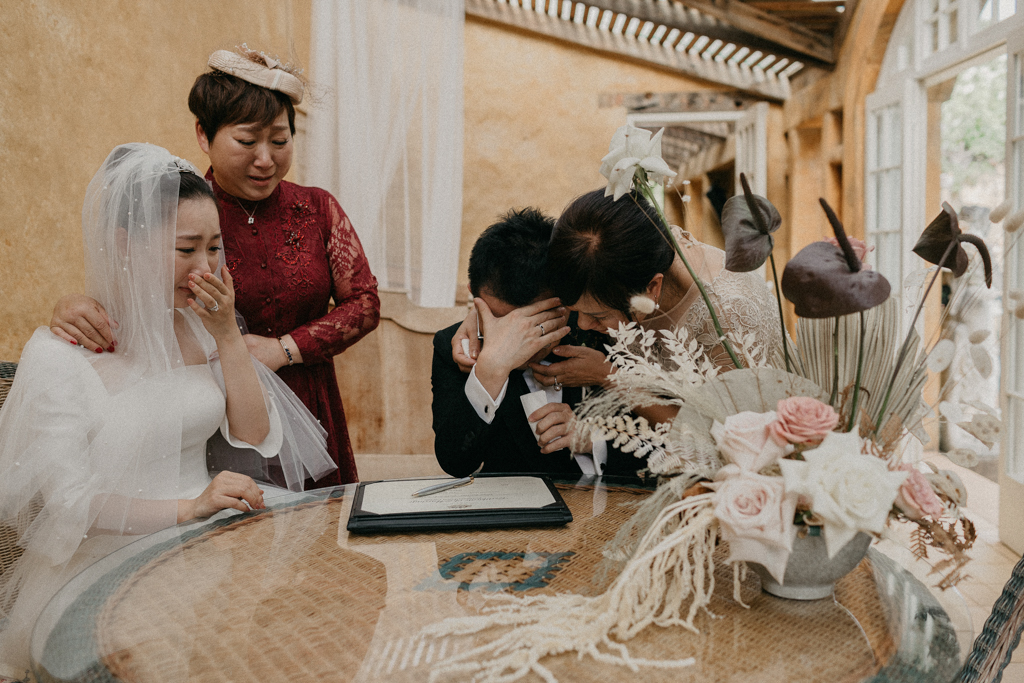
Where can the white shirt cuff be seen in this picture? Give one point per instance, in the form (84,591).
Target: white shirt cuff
(481,401)
(600,454)
(592,464)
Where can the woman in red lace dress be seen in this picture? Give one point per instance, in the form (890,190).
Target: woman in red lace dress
(290,249)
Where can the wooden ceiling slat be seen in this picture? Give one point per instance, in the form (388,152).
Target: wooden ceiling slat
(773,6)
(676,15)
(763,85)
(751,20)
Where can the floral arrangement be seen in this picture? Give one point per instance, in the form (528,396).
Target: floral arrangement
(836,455)
(828,443)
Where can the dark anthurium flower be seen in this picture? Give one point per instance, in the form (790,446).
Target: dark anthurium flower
(942,238)
(824,281)
(748,222)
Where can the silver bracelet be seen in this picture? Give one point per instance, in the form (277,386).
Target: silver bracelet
(291,361)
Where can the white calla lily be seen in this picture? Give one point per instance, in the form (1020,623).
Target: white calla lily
(633,148)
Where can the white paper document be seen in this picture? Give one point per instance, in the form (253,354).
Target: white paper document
(485,493)
(533,402)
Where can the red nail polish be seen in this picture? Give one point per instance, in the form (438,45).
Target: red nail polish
(74,342)
(110,349)
(99,350)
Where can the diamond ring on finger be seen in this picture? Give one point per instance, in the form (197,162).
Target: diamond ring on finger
(215,307)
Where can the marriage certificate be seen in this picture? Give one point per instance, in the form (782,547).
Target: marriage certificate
(502,500)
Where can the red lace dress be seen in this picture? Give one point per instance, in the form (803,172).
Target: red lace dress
(300,251)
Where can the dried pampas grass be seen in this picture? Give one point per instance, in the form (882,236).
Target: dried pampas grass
(668,581)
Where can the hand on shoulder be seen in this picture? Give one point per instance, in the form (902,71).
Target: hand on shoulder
(81,320)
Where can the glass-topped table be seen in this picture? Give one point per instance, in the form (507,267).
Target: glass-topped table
(286,594)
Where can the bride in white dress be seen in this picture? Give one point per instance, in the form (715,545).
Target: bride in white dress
(96,450)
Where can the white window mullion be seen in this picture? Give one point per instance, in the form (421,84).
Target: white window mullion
(884,201)
(942,22)
(1013,329)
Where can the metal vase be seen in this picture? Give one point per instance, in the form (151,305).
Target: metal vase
(810,574)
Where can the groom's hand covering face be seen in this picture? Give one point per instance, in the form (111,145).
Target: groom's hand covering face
(514,337)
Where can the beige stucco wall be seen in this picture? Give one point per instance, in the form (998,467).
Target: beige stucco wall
(534,133)
(78,78)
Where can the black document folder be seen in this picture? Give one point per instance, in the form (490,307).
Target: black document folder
(490,501)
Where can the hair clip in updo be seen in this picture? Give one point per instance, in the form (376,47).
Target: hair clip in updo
(185,166)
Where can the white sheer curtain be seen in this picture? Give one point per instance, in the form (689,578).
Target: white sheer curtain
(385,135)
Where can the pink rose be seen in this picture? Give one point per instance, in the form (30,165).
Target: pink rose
(859,248)
(756,518)
(744,440)
(917,498)
(802,419)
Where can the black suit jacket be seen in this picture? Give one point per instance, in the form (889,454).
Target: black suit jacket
(462,440)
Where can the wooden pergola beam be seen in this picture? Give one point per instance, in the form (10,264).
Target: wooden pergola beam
(802,45)
(767,27)
(763,85)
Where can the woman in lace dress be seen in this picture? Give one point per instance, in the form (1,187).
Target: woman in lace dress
(98,449)
(604,253)
(291,249)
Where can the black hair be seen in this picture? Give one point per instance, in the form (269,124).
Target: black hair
(509,257)
(218,99)
(192,186)
(189,186)
(608,249)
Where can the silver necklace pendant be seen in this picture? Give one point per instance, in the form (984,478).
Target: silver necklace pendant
(250,214)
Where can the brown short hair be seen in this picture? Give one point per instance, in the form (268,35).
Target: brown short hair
(218,99)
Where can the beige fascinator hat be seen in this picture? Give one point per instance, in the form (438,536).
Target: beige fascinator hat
(259,69)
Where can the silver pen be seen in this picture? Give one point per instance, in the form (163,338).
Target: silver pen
(444,486)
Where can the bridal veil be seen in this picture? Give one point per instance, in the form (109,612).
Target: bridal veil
(90,456)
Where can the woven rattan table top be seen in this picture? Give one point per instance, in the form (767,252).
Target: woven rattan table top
(287,595)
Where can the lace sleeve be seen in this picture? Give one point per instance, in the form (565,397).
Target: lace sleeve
(748,314)
(354,288)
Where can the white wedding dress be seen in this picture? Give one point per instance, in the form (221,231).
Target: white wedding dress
(84,418)
(204,413)
(745,307)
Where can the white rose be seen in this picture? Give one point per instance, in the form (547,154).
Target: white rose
(849,490)
(745,440)
(755,514)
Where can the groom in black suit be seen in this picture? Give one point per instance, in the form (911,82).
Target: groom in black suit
(479,418)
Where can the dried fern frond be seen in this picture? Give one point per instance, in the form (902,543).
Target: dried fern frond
(629,434)
(651,370)
(952,537)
